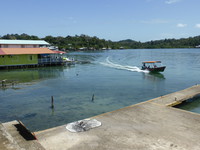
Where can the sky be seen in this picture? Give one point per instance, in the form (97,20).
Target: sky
(139,20)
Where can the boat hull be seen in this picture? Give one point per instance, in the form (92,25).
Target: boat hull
(157,69)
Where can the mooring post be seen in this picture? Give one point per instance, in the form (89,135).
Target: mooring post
(52,102)
(93,98)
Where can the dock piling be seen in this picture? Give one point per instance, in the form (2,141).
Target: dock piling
(52,102)
(93,98)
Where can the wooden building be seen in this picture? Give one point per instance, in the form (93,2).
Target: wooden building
(27,53)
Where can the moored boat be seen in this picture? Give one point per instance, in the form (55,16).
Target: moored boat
(153,66)
(69,61)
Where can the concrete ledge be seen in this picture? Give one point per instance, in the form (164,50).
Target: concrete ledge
(178,97)
(17,138)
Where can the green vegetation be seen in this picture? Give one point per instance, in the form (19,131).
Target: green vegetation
(85,42)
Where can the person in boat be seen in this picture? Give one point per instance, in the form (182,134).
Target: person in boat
(144,66)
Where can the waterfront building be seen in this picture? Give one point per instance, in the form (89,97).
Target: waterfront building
(27,53)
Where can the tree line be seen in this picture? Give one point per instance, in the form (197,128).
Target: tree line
(85,42)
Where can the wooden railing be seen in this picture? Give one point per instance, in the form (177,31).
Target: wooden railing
(49,60)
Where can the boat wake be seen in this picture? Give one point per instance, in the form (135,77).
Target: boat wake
(122,67)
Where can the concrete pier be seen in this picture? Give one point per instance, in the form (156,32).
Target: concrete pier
(14,137)
(150,125)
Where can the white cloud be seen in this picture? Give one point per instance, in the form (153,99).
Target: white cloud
(181,25)
(197,25)
(172,1)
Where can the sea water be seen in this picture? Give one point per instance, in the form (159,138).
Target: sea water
(112,80)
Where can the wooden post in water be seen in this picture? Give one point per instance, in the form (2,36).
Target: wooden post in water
(93,98)
(52,102)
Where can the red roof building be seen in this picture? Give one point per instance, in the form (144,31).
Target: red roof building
(26,53)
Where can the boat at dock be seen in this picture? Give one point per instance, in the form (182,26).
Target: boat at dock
(153,66)
(72,61)
(69,61)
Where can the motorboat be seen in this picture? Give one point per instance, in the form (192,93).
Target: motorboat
(153,66)
(69,61)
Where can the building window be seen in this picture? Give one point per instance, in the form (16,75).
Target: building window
(22,46)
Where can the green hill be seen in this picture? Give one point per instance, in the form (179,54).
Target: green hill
(85,42)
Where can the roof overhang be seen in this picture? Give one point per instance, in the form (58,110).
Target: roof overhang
(151,62)
(59,52)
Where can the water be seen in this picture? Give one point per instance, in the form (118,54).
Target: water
(113,77)
(192,105)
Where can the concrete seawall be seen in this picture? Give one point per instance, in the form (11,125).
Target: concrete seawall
(150,125)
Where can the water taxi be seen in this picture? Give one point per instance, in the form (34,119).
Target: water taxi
(153,66)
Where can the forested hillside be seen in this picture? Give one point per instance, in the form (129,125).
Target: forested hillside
(85,42)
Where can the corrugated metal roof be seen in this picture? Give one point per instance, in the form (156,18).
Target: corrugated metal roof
(20,51)
(35,42)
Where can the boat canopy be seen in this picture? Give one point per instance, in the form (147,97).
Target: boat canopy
(150,62)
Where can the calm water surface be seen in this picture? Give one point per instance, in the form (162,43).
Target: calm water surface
(114,77)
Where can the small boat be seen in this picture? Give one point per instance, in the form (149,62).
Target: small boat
(153,66)
(68,61)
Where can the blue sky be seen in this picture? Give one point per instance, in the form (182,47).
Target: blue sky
(140,20)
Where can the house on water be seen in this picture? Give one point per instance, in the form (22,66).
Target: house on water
(28,53)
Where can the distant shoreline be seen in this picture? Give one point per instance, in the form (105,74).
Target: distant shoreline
(85,42)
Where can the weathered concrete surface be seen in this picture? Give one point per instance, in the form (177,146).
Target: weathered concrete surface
(178,97)
(10,139)
(149,125)
(6,140)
